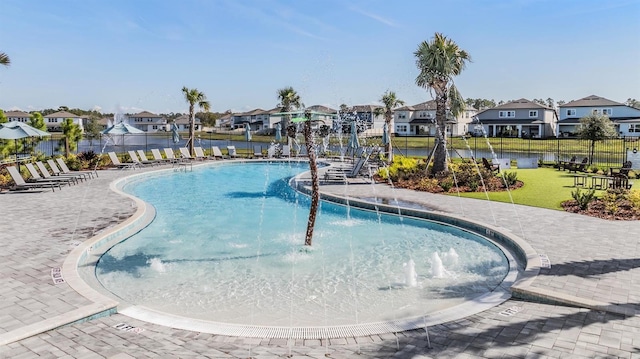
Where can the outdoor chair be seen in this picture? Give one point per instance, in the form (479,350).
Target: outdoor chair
(232,152)
(56,171)
(116,161)
(20,184)
(257,151)
(578,167)
(136,160)
(65,169)
(157,156)
(35,176)
(563,165)
(185,155)
(47,175)
(168,153)
(341,174)
(216,153)
(626,167)
(620,181)
(200,154)
(144,159)
(489,166)
(286,151)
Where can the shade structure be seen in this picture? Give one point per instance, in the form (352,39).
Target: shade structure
(15,130)
(278,132)
(175,136)
(353,139)
(121,128)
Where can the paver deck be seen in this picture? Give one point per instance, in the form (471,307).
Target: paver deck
(590,258)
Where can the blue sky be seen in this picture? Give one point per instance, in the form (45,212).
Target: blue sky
(137,55)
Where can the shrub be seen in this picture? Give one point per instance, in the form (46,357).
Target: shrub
(634,198)
(510,178)
(612,198)
(89,159)
(583,198)
(446,184)
(404,168)
(73,163)
(429,185)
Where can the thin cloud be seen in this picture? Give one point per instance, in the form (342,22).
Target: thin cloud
(373,16)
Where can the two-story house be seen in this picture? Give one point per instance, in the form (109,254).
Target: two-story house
(19,116)
(183,123)
(148,122)
(420,120)
(625,118)
(54,121)
(518,118)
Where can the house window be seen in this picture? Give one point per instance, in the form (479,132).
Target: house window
(606,111)
(507,114)
(155,127)
(52,120)
(571,112)
(533,113)
(401,128)
(634,127)
(402,115)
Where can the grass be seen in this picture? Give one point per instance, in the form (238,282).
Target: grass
(543,187)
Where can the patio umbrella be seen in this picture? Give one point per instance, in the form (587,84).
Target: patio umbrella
(385,135)
(175,136)
(15,130)
(247,135)
(353,139)
(121,129)
(278,132)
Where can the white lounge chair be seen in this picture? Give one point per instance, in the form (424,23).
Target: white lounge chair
(116,161)
(168,153)
(200,154)
(56,171)
(65,169)
(232,151)
(257,151)
(144,159)
(20,183)
(216,153)
(286,151)
(35,176)
(157,156)
(47,175)
(185,155)
(136,161)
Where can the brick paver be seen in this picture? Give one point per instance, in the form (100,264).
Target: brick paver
(591,259)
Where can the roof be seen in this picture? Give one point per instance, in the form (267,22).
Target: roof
(522,103)
(364,108)
(257,111)
(613,119)
(320,108)
(184,119)
(591,101)
(62,114)
(145,114)
(508,122)
(423,106)
(17,114)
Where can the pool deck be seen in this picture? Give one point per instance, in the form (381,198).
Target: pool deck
(593,261)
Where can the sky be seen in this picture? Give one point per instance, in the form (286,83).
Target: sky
(129,56)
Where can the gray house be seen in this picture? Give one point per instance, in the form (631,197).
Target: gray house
(420,120)
(625,118)
(519,118)
(148,122)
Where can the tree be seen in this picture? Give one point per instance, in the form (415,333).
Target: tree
(92,129)
(390,101)
(632,102)
(595,128)
(194,97)
(561,102)
(36,121)
(550,103)
(71,134)
(439,61)
(4,59)
(288,100)
(3,117)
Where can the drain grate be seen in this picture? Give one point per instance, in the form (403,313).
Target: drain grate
(128,328)
(56,276)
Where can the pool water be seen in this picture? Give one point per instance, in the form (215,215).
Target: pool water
(227,246)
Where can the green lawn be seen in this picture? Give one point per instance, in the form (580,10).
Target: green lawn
(543,187)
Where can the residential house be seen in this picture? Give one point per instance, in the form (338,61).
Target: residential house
(420,120)
(257,119)
(625,118)
(19,116)
(183,123)
(224,122)
(54,121)
(326,115)
(148,122)
(366,114)
(518,118)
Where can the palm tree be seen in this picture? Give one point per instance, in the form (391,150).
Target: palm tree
(194,97)
(289,100)
(390,101)
(439,60)
(4,59)
(315,182)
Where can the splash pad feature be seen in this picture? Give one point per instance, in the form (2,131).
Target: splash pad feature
(217,273)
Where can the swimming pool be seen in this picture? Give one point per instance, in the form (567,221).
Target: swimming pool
(227,246)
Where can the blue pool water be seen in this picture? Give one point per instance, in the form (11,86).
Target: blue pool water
(227,246)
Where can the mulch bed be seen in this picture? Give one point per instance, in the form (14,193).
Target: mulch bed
(597,208)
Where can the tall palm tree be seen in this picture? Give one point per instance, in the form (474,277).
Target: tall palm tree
(194,97)
(439,61)
(4,59)
(289,100)
(390,101)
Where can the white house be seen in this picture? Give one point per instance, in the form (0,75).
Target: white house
(625,118)
(518,118)
(19,116)
(183,123)
(420,120)
(148,122)
(54,120)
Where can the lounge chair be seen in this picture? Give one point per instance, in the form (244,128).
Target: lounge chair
(342,174)
(116,162)
(20,183)
(168,153)
(626,167)
(65,169)
(144,159)
(136,160)
(257,151)
(35,176)
(200,154)
(232,152)
(47,175)
(271,151)
(286,151)
(56,171)
(490,166)
(157,156)
(185,155)
(216,153)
